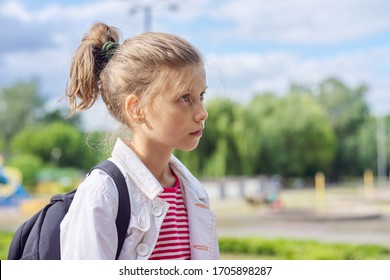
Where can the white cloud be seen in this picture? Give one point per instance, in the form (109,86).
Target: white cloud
(231,71)
(50,66)
(246,74)
(303,21)
(16,10)
(55,11)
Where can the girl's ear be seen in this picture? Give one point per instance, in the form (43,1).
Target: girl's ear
(133,112)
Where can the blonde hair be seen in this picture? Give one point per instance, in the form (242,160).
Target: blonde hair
(139,66)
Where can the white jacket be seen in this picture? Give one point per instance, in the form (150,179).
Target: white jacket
(88,230)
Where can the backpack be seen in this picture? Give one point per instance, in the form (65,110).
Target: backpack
(38,238)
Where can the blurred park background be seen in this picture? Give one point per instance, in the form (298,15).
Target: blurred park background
(296,147)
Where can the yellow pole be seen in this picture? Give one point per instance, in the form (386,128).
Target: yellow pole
(368,182)
(388,179)
(320,192)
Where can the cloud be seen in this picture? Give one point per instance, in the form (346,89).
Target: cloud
(49,66)
(303,21)
(250,46)
(59,10)
(53,25)
(16,36)
(39,43)
(239,76)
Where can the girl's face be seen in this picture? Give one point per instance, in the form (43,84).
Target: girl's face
(175,119)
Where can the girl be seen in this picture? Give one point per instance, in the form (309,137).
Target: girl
(154,84)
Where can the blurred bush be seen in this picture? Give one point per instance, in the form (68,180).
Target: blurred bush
(29,165)
(284,249)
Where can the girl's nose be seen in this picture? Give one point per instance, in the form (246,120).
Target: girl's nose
(201,114)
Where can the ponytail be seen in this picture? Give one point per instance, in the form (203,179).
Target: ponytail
(94,52)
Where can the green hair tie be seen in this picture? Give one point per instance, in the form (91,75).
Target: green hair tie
(109,48)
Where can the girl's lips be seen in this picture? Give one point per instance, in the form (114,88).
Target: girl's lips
(197,133)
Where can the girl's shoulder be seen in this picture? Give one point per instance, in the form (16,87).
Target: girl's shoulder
(98,186)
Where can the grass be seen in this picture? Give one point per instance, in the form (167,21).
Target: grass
(288,249)
(5,241)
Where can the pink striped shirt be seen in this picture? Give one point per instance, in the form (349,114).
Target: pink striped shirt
(174,238)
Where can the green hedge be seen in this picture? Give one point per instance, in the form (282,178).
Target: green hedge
(286,249)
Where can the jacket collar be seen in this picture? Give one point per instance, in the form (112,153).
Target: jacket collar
(135,168)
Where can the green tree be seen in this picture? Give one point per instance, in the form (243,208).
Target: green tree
(264,108)
(57,143)
(297,139)
(19,107)
(347,111)
(366,142)
(60,115)
(247,139)
(29,165)
(223,158)
(309,129)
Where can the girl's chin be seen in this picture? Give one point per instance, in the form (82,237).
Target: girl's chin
(188,148)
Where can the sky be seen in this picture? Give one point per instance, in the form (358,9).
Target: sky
(250,46)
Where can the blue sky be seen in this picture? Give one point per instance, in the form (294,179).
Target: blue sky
(250,45)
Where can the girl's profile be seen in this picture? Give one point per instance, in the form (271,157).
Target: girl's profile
(154,85)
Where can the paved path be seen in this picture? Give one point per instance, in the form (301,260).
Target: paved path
(370,231)
(349,217)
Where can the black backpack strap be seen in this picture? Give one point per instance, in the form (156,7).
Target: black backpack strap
(123,217)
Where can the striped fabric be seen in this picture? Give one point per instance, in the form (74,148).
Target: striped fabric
(174,239)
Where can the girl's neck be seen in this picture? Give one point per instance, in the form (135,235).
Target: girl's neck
(156,160)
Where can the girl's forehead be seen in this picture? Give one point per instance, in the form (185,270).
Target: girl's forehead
(187,78)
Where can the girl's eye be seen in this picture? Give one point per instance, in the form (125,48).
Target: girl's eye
(202,96)
(186,98)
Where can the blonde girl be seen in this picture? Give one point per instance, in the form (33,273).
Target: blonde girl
(154,84)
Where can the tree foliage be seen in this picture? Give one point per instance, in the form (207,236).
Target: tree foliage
(298,139)
(309,129)
(29,165)
(326,128)
(19,107)
(347,111)
(288,135)
(58,143)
